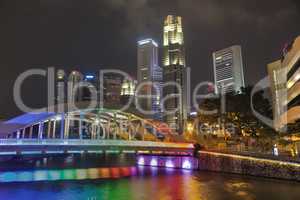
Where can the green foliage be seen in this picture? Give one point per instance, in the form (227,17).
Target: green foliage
(238,112)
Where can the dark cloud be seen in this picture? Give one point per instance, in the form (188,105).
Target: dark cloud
(94,34)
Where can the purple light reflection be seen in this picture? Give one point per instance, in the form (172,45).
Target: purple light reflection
(141,161)
(170,164)
(153,162)
(187,164)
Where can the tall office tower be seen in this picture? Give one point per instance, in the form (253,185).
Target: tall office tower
(148,71)
(228,70)
(174,71)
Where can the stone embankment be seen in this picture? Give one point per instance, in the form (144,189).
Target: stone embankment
(228,163)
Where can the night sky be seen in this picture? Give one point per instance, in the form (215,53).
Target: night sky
(90,35)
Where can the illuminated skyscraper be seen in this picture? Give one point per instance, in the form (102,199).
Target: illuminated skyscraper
(149,71)
(228,70)
(174,71)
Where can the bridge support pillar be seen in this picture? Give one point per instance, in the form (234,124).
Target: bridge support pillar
(94,134)
(49,129)
(80,126)
(67,124)
(62,126)
(41,130)
(116,126)
(54,129)
(18,134)
(22,133)
(30,131)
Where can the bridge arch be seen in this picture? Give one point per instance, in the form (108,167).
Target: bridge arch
(92,124)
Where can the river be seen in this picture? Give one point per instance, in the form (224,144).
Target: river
(95,182)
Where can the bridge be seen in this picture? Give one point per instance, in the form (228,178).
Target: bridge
(89,131)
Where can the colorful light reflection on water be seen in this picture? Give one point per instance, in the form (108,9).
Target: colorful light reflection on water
(67,174)
(141,183)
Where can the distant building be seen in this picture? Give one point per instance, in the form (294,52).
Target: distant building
(149,71)
(112,84)
(68,87)
(285,86)
(74,89)
(228,70)
(90,87)
(127,90)
(174,71)
(61,88)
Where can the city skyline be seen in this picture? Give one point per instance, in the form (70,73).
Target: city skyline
(149,99)
(89,46)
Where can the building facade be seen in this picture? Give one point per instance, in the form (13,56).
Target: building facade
(285,87)
(228,70)
(112,85)
(128,91)
(174,71)
(90,87)
(277,80)
(149,77)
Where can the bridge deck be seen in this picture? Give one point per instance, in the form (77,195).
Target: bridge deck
(46,146)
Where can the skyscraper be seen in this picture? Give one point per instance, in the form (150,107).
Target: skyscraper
(228,70)
(174,71)
(149,71)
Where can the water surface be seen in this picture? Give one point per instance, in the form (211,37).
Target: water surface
(141,183)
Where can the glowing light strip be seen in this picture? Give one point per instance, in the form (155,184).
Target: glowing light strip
(146,41)
(30,152)
(55,152)
(8,153)
(89,77)
(129,152)
(75,151)
(53,142)
(112,152)
(95,151)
